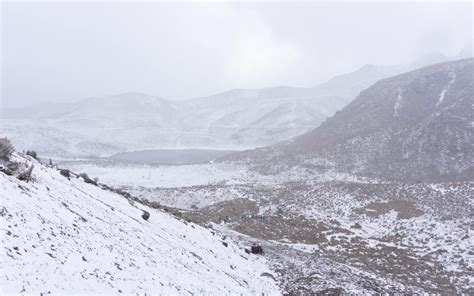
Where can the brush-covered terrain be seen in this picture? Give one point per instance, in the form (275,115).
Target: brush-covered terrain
(401,237)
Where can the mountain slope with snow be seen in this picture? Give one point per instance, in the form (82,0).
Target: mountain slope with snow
(234,120)
(66,236)
(413,127)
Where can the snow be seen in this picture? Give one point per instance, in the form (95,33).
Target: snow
(121,174)
(232,120)
(451,75)
(307,248)
(193,186)
(398,103)
(65,236)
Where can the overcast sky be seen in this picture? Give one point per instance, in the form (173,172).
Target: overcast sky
(68,51)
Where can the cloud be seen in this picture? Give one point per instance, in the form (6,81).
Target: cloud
(65,51)
(259,57)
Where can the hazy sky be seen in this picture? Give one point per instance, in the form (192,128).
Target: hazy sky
(68,51)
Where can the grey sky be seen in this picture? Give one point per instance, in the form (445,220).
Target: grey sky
(68,51)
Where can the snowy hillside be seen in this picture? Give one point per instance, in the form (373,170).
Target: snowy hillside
(66,236)
(351,84)
(257,117)
(413,127)
(234,120)
(358,235)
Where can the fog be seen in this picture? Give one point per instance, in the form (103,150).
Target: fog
(68,51)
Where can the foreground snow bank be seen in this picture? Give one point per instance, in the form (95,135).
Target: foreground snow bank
(65,236)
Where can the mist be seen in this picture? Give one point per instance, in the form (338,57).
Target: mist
(61,52)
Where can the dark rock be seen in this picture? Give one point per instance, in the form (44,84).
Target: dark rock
(65,173)
(145,215)
(256,249)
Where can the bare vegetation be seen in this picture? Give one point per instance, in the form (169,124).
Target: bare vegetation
(6,149)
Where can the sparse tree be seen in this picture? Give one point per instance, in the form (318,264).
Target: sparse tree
(32,153)
(11,168)
(6,149)
(83,176)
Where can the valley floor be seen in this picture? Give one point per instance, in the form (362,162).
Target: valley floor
(322,231)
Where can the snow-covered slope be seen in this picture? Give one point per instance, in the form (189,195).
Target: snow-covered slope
(49,140)
(413,127)
(351,84)
(233,120)
(246,118)
(66,236)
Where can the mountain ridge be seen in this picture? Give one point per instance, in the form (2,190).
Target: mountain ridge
(233,120)
(410,127)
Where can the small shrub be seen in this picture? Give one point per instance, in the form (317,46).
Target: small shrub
(11,168)
(86,179)
(83,176)
(26,174)
(65,173)
(6,149)
(151,204)
(32,153)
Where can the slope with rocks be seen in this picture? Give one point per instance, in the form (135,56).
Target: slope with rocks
(61,235)
(413,127)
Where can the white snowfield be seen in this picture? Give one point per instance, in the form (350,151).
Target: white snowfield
(66,236)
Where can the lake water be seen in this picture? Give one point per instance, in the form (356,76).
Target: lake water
(171,156)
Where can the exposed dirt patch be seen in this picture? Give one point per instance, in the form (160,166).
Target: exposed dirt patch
(405,209)
(226,211)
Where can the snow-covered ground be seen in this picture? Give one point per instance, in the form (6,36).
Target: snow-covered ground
(358,221)
(151,176)
(66,236)
(191,186)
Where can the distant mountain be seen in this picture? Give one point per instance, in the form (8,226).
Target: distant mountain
(237,119)
(256,117)
(234,120)
(351,84)
(415,126)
